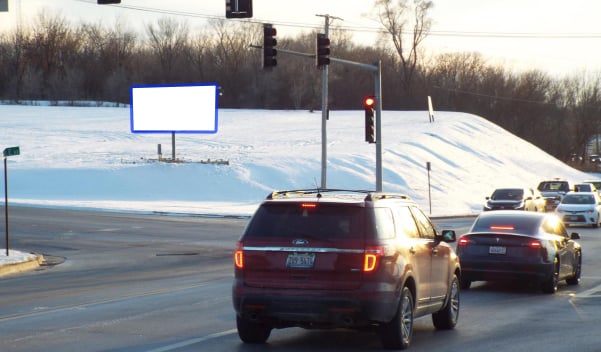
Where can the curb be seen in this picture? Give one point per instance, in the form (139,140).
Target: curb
(13,268)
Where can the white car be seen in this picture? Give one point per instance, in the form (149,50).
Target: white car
(585,187)
(596,183)
(580,208)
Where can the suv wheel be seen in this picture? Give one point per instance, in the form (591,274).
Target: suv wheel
(251,332)
(446,319)
(397,334)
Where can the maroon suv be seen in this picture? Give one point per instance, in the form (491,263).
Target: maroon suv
(351,259)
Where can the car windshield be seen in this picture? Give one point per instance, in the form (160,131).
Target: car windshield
(507,194)
(311,220)
(578,199)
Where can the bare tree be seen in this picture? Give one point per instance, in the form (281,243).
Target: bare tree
(12,54)
(408,24)
(50,50)
(199,54)
(236,62)
(584,113)
(168,40)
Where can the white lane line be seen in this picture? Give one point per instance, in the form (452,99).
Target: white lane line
(193,341)
(591,292)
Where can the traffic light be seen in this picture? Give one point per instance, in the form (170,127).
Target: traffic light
(238,8)
(107,2)
(269,43)
(322,51)
(369,103)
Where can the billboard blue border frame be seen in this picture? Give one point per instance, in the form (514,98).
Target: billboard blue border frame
(176,130)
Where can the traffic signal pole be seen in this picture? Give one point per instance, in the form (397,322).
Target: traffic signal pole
(377,69)
(324,112)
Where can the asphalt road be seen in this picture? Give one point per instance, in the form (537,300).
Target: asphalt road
(127,282)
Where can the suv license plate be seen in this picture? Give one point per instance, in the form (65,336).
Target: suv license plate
(300,260)
(497,250)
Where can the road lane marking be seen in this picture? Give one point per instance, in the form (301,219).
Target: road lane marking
(193,341)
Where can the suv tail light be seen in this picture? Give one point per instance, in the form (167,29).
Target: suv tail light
(372,257)
(239,256)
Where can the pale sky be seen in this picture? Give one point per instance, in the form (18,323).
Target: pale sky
(559,37)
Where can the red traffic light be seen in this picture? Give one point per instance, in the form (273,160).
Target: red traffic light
(369,102)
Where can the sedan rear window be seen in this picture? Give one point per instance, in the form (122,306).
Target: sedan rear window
(525,225)
(315,220)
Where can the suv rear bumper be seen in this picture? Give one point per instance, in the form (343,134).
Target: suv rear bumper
(315,309)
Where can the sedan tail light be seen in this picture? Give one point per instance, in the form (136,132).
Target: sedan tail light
(463,242)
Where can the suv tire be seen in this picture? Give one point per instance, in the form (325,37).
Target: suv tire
(397,334)
(251,332)
(446,319)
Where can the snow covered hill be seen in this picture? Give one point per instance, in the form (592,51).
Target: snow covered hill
(87,157)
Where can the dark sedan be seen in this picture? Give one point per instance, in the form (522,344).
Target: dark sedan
(515,199)
(517,245)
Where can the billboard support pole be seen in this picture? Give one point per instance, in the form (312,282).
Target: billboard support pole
(173,146)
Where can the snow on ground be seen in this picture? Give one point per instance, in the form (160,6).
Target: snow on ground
(14,256)
(86,157)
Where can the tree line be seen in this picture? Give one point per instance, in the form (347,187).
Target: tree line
(54,60)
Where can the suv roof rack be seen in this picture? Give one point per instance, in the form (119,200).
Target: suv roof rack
(369,195)
(381,195)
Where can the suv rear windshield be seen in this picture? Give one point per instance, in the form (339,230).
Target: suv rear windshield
(316,220)
(554,186)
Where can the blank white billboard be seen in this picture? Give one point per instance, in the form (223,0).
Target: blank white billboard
(183,108)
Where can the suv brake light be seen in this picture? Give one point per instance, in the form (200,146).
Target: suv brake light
(239,256)
(372,257)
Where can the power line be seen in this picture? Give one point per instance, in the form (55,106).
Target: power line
(374,30)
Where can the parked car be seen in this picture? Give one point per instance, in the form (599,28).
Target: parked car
(585,187)
(580,208)
(515,199)
(343,259)
(518,245)
(552,191)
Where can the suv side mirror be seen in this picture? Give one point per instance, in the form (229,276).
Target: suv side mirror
(449,235)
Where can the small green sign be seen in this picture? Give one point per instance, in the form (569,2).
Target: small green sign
(11,151)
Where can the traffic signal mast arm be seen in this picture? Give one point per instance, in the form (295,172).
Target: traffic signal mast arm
(377,69)
(373,68)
